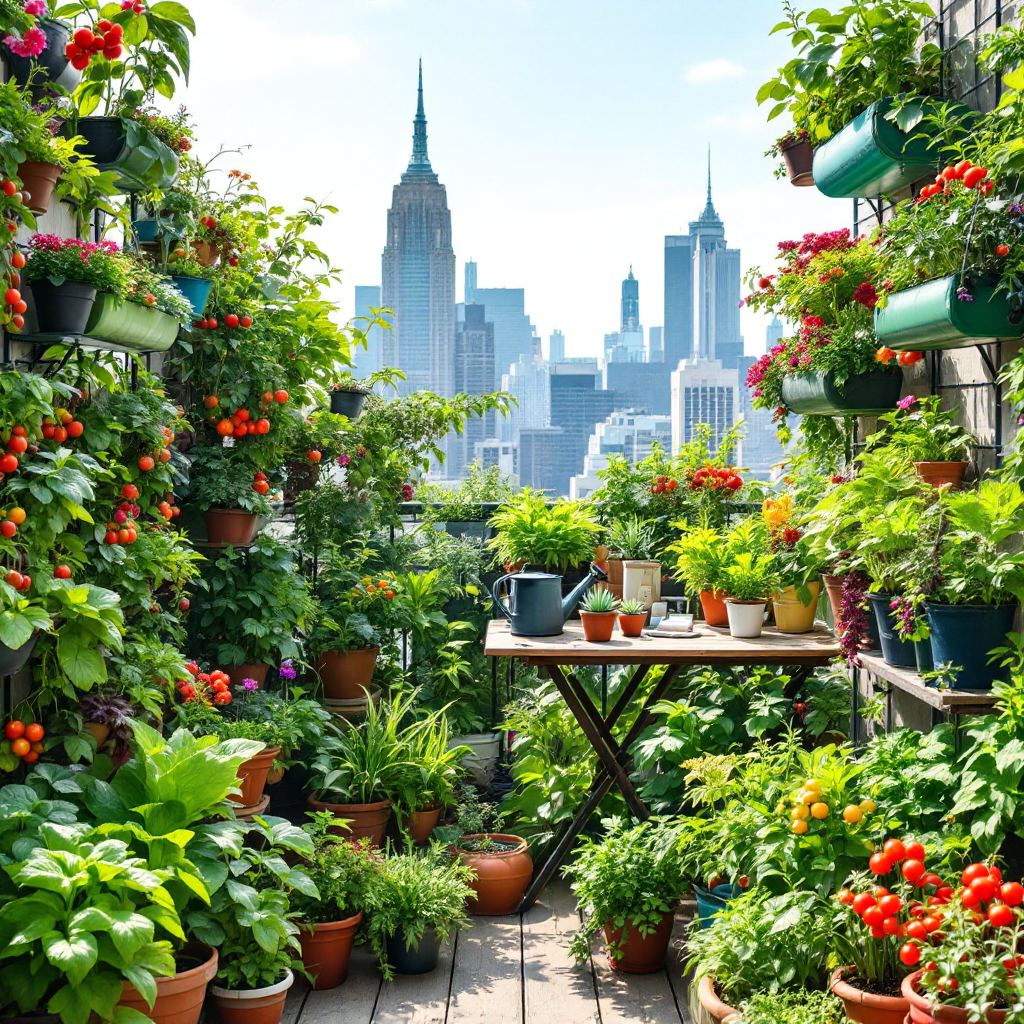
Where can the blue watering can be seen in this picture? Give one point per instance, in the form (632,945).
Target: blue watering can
(535,604)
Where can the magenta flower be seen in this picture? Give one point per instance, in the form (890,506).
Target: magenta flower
(249,685)
(287,670)
(906,403)
(30,45)
(344,459)
(37,8)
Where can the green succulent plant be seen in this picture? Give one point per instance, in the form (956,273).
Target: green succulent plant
(600,599)
(632,607)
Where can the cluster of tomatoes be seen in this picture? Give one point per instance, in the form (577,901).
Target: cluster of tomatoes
(212,686)
(966,173)
(22,582)
(231,320)
(664,484)
(123,529)
(86,44)
(886,355)
(162,454)
(241,422)
(26,740)
(809,805)
(14,305)
(716,478)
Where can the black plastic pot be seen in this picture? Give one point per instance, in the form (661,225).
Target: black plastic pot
(62,309)
(348,402)
(963,636)
(54,68)
(104,137)
(421,960)
(923,654)
(14,660)
(896,652)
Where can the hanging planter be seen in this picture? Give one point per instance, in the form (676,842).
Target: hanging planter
(39,180)
(348,402)
(131,325)
(864,394)
(195,289)
(52,67)
(63,308)
(141,161)
(232,526)
(798,156)
(872,156)
(932,316)
(14,659)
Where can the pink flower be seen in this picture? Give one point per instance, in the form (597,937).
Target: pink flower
(344,459)
(866,295)
(249,685)
(31,44)
(906,403)
(37,8)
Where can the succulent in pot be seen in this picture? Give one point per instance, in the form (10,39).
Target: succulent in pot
(599,610)
(633,540)
(632,617)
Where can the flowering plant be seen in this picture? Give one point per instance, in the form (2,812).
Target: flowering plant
(20,17)
(148,288)
(99,264)
(791,559)
(919,431)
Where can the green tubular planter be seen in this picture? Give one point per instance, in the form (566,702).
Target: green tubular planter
(872,157)
(930,316)
(131,325)
(866,394)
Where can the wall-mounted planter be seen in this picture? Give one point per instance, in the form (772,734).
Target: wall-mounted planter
(14,659)
(871,156)
(930,316)
(131,325)
(63,308)
(39,180)
(52,65)
(866,394)
(196,290)
(146,231)
(140,160)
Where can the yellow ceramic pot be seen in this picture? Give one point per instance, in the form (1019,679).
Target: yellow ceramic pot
(791,614)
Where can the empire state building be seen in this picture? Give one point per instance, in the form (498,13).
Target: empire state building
(419,273)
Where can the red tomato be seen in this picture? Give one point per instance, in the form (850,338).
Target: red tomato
(890,905)
(34,732)
(14,729)
(880,864)
(894,850)
(913,870)
(862,901)
(984,888)
(1000,915)
(845,896)
(873,916)
(891,925)
(909,954)
(1012,894)
(916,930)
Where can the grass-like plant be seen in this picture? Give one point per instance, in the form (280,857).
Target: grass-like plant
(632,538)
(599,600)
(632,607)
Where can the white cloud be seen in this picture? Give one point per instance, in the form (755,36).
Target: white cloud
(717,70)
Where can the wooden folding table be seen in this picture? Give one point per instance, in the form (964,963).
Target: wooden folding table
(558,655)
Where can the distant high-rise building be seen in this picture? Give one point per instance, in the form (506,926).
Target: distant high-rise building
(528,381)
(643,387)
(630,319)
(627,344)
(702,290)
(502,454)
(370,359)
(419,273)
(773,334)
(655,345)
(541,463)
(470,281)
(556,346)
(576,406)
(474,368)
(703,391)
(629,434)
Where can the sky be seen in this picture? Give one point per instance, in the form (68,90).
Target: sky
(571,135)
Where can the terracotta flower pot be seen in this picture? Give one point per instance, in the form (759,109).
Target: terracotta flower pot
(632,625)
(39,180)
(253,777)
(326,950)
(712,604)
(715,1008)
(98,731)
(598,626)
(868,1007)
(347,675)
(420,824)
(501,875)
(230,526)
(942,474)
(206,253)
(252,1006)
(791,614)
(640,954)
(250,670)
(834,589)
(179,1000)
(366,821)
(798,156)
(924,1012)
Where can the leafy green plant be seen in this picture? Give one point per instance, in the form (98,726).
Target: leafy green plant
(631,539)
(749,577)
(599,600)
(222,477)
(923,434)
(412,893)
(797,1007)
(529,530)
(629,879)
(700,558)
(632,607)
(435,761)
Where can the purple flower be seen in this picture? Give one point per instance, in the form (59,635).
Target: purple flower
(249,685)
(287,670)
(964,295)
(344,459)
(906,403)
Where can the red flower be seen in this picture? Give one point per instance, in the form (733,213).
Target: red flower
(866,295)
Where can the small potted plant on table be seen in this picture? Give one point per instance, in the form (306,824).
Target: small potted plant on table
(796,603)
(628,883)
(632,617)
(632,540)
(701,557)
(599,610)
(415,904)
(749,579)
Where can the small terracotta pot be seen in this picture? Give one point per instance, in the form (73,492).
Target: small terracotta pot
(712,604)
(868,1007)
(640,954)
(179,1000)
(39,180)
(252,1006)
(206,252)
(347,675)
(942,474)
(366,821)
(420,824)
(715,1008)
(924,1012)
(251,670)
(253,776)
(230,526)
(632,625)
(834,589)
(598,626)
(326,950)
(501,876)
(798,156)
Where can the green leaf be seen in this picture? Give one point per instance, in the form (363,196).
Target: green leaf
(74,955)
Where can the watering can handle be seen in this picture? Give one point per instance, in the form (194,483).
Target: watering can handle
(498,603)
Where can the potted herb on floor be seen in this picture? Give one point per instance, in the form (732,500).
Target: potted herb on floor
(251,919)
(224,486)
(416,903)
(749,579)
(343,873)
(628,883)
(599,611)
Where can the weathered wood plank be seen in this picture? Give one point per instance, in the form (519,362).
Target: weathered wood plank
(555,990)
(487,983)
(296,997)
(676,958)
(353,1001)
(417,999)
(632,998)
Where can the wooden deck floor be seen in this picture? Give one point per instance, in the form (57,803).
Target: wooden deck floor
(504,970)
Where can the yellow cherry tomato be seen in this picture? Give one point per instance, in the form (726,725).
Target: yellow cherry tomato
(808,797)
(867,806)
(819,810)
(17,515)
(852,814)
(799,826)
(799,812)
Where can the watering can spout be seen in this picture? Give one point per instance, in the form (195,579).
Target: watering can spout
(573,598)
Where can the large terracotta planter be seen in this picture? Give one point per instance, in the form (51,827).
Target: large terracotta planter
(834,589)
(924,1012)
(326,950)
(501,875)
(868,1007)
(230,526)
(347,675)
(641,955)
(791,614)
(366,821)
(942,474)
(253,777)
(39,181)
(712,605)
(250,670)
(598,626)
(715,1008)
(179,1000)
(252,1006)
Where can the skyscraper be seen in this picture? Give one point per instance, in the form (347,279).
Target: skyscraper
(703,391)
(528,381)
(630,319)
(627,344)
(576,406)
(474,373)
(773,334)
(419,273)
(702,290)
(556,346)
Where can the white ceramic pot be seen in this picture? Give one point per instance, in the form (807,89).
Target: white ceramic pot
(745,617)
(641,581)
(486,747)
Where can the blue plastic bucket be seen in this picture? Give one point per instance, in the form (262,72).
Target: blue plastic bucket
(196,290)
(711,902)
